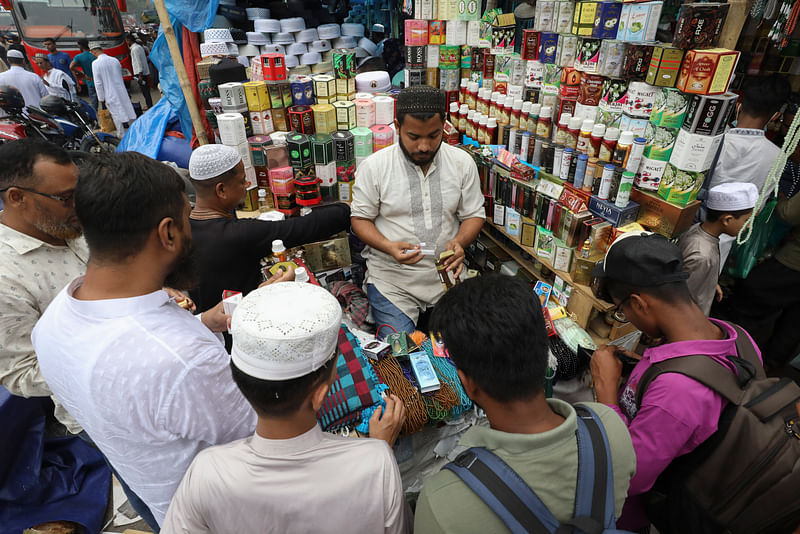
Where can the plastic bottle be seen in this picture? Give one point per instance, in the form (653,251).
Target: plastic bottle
(483,100)
(608,144)
(624,191)
(544,125)
(605,183)
(558,152)
(523,116)
(482,130)
(505,113)
(471,123)
(493,105)
(516,112)
(491,131)
(573,131)
(623,148)
(548,152)
(566,162)
(588,177)
(635,155)
(454,114)
(525,145)
(462,118)
(596,139)
(472,95)
(278,251)
(536,158)
(301,275)
(263,203)
(583,137)
(462,90)
(580,170)
(561,132)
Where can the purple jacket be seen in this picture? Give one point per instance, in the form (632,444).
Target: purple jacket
(677,414)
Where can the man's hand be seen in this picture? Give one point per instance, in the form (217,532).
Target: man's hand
(386,423)
(455,263)
(181,298)
(719,293)
(281,276)
(215,318)
(606,371)
(404,253)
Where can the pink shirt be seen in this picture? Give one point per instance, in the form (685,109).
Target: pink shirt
(677,414)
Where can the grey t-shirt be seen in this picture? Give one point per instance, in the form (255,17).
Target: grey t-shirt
(702,259)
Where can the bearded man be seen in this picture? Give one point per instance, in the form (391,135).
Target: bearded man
(148,382)
(417,191)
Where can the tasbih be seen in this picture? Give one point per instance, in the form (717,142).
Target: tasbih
(392,374)
(784,23)
(446,372)
(771,183)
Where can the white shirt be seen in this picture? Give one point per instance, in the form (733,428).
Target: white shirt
(26,82)
(150,384)
(139,60)
(110,87)
(32,273)
(312,483)
(406,205)
(55,84)
(746,156)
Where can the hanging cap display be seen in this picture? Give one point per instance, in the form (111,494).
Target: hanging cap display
(732,196)
(421,99)
(210,161)
(274,342)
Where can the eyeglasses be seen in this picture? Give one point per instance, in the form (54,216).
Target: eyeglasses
(619,313)
(67,200)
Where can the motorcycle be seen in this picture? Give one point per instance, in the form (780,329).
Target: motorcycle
(65,123)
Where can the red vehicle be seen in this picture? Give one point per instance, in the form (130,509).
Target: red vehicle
(66,21)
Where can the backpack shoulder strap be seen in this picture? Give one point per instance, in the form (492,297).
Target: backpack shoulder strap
(699,368)
(746,350)
(504,491)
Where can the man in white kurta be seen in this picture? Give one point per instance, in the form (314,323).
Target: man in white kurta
(290,476)
(57,82)
(110,88)
(27,83)
(419,190)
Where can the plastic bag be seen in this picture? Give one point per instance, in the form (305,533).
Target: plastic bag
(744,257)
(147,132)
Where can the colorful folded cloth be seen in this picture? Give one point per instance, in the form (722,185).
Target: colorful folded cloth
(354,301)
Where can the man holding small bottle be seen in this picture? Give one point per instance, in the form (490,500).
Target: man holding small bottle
(411,202)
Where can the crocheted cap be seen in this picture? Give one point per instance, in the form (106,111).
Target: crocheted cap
(421,99)
(210,161)
(285,330)
(732,196)
(95,44)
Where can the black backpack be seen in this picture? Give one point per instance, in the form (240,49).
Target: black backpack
(745,478)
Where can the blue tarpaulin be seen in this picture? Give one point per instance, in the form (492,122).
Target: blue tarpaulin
(146,132)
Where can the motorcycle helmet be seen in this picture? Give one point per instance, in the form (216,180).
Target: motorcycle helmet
(11,99)
(54,105)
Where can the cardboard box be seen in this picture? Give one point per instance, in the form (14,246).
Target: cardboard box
(658,215)
(548,45)
(606,20)
(641,98)
(545,244)
(709,115)
(680,186)
(611,213)
(257,95)
(669,108)
(583,18)
(495,257)
(665,65)
(659,142)
(612,54)
(695,152)
(637,125)
(528,234)
(530,44)
(322,149)
(650,173)
(587,58)
(562,258)
(299,147)
(330,254)
(277,156)
(699,24)
(636,60)
(513,225)
(707,72)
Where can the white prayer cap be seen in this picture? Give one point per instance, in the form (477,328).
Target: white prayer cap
(95,44)
(732,196)
(378,28)
(285,330)
(15,54)
(210,161)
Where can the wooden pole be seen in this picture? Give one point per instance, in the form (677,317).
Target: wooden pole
(180,69)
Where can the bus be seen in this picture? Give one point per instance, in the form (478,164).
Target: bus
(66,21)
(6,22)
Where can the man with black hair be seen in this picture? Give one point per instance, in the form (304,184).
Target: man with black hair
(26,82)
(747,155)
(147,381)
(81,67)
(59,60)
(58,83)
(643,275)
(417,191)
(729,206)
(227,250)
(290,476)
(141,72)
(501,354)
(40,252)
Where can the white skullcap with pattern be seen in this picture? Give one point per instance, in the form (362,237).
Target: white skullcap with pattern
(210,161)
(285,330)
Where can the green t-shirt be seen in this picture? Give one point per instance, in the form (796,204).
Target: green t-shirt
(84,61)
(547,462)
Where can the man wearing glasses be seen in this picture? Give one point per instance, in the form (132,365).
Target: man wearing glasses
(40,252)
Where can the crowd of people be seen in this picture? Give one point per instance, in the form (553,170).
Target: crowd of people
(213,433)
(62,76)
